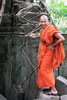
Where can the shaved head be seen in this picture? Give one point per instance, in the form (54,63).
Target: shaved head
(44,16)
(44,21)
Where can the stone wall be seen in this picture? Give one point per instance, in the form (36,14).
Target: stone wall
(62,69)
(5,50)
(24,62)
(64,64)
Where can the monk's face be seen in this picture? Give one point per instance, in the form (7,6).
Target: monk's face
(43,21)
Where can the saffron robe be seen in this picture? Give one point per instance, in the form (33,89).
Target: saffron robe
(48,59)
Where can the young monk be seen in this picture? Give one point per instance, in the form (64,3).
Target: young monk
(50,54)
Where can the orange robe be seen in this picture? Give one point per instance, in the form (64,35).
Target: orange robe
(48,59)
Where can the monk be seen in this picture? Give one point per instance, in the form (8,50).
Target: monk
(50,54)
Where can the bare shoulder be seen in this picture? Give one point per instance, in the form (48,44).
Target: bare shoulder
(59,36)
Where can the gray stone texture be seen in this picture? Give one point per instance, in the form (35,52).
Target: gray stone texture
(61,85)
(47,97)
(63,97)
(2,97)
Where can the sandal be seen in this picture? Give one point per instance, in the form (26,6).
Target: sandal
(46,90)
(50,93)
(54,94)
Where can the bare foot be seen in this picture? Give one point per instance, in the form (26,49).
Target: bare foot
(53,90)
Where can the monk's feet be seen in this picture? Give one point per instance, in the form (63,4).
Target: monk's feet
(50,91)
(53,90)
(45,91)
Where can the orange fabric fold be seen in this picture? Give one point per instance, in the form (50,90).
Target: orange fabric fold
(48,59)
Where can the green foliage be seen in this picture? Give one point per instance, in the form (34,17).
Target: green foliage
(58,11)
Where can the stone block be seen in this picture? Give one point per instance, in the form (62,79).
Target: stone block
(61,85)
(47,97)
(16,93)
(2,97)
(63,97)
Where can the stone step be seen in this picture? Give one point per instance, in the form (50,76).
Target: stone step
(63,97)
(2,97)
(43,96)
(61,85)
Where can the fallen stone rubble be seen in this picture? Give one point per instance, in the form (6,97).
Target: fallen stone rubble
(61,85)
(47,97)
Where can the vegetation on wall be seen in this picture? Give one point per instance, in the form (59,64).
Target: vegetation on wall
(58,11)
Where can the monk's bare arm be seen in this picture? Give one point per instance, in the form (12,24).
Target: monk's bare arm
(60,39)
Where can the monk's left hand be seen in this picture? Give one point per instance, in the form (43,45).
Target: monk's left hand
(51,47)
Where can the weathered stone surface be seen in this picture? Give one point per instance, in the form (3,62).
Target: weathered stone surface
(47,97)
(63,97)
(61,85)
(2,97)
(35,99)
(8,5)
(16,93)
